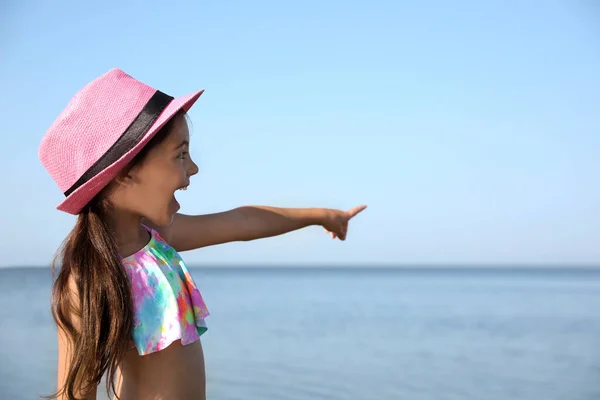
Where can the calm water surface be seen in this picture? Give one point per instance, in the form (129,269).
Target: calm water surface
(358,334)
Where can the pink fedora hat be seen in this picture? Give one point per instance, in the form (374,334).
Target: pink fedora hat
(101,129)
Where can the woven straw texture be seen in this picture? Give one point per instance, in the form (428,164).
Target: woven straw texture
(90,124)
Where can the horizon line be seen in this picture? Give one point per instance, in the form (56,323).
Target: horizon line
(578,266)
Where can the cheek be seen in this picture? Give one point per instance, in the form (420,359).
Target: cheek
(155,176)
(158,181)
(161,183)
(156,191)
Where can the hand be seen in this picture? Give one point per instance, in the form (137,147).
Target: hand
(336,221)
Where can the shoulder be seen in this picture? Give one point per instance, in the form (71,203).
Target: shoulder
(72,299)
(189,232)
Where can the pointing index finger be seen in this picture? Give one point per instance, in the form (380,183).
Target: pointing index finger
(353,211)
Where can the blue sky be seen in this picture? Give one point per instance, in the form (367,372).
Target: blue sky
(471,129)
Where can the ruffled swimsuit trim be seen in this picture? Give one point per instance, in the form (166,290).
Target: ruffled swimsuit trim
(167,303)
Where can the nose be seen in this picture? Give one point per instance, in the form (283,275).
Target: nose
(193,168)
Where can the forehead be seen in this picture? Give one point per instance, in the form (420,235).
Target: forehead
(179,132)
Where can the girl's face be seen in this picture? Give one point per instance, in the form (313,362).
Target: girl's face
(149,188)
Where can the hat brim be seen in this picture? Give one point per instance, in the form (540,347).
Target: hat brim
(75,202)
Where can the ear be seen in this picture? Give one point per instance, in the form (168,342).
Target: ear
(127,178)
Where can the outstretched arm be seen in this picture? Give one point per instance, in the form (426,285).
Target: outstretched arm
(188,232)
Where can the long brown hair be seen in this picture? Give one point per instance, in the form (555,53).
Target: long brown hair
(89,260)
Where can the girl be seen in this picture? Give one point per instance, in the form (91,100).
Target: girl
(124,301)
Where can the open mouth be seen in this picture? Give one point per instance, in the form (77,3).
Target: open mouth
(175,202)
(182,187)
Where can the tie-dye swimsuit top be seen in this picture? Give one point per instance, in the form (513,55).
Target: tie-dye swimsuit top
(167,304)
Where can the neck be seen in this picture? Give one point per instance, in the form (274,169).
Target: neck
(129,233)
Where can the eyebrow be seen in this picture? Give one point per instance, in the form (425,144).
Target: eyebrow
(184,142)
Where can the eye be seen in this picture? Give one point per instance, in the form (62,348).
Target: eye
(182,154)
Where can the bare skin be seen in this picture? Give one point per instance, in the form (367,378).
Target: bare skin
(176,372)
(146,196)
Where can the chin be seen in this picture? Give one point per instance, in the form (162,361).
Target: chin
(165,220)
(162,220)
(163,216)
